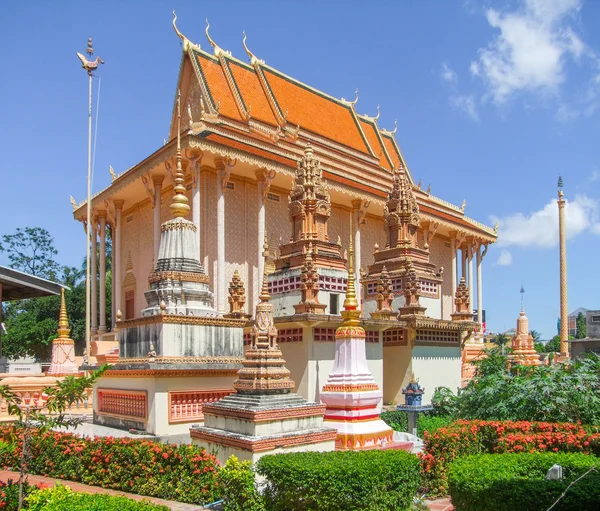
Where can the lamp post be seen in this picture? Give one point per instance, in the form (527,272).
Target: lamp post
(564,313)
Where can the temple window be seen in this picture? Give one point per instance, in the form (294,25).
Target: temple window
(334,304)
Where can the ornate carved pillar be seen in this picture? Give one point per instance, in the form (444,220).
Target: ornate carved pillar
(94,274)
(157,180)
(264,178)
(453,264)
(102,221)
(224,172)
(117,256)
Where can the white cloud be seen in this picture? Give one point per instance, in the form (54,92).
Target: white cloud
(448,74)
(530,51)
(466,104)
(595,175)
(505,258)
(540,228)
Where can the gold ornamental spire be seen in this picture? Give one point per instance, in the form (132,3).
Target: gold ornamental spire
(63,320)
(179,206)
(350,312)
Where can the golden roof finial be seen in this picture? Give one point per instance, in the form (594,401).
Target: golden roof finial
(253,58)
(179,206)
(216,48)
(63,320)
(356,99)
(186,43)
(378,113)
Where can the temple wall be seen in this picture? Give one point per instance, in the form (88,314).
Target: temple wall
(397,366)
(436,366)
(371,232)
(295,355)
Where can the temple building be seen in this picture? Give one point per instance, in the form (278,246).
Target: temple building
(275,174)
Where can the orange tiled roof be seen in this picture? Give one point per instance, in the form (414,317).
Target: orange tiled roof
(374,141)
(315,112)
(219,89)
(392,149)
(252,93)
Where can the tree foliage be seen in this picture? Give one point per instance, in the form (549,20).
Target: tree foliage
(555,393)
(581,327)
(31,250)
(31,325)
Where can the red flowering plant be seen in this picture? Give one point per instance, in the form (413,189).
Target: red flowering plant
(44,413)
(463,438)
(184,473)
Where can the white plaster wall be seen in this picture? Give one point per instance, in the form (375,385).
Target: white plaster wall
(436,366)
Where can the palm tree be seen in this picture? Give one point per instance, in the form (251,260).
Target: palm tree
(536,335)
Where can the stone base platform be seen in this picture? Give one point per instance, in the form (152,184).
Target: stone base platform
(250,426)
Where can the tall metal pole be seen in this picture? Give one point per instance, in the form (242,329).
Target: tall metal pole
(89,66)
(564,311)
(89,215)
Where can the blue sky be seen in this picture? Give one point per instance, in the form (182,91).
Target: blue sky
(494,100)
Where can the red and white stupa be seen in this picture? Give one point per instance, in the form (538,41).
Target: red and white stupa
(351,395)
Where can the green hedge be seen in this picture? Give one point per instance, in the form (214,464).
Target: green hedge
(398,421)
(340,481)
(507,482)
(184,473)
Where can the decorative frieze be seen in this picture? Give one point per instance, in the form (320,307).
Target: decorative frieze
(123,404)
(430,336)
(324,334)
(372,336)
(186,406)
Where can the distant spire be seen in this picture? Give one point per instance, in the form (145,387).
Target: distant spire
(522,296)
(63,320)
(179,206)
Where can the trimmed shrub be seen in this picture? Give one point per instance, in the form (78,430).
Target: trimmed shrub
(398,421)
(61,498)
(340,481)
(9,494)
(236,480)
(183,473)
(505,482)
(463,438)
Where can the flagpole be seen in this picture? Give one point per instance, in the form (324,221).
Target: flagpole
(88,270)
(89,66)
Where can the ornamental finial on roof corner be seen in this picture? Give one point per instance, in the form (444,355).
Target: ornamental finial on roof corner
(217,50)
(253,58)
(185,42)
(351,103)
(376,118)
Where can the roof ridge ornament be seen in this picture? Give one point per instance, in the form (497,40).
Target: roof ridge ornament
(185,42)
(372,119)
(253,58)
(217,50)
(351,103)
(392,132)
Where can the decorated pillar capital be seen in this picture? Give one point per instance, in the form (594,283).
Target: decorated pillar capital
(157,179)
(224,167)
(264,177)
(360,207)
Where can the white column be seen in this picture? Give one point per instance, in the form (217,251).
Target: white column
(220,302)
(196,203)
(470,257)
(453,264)
(102,220)
(113,310)
(463,253)
(479,289)
(157,180)
(117,259)
(94,275)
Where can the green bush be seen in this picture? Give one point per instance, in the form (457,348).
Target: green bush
(398,421)
(236,480)
(9,494)
(506,482)
(61,498)
(340,481)
(184,473)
